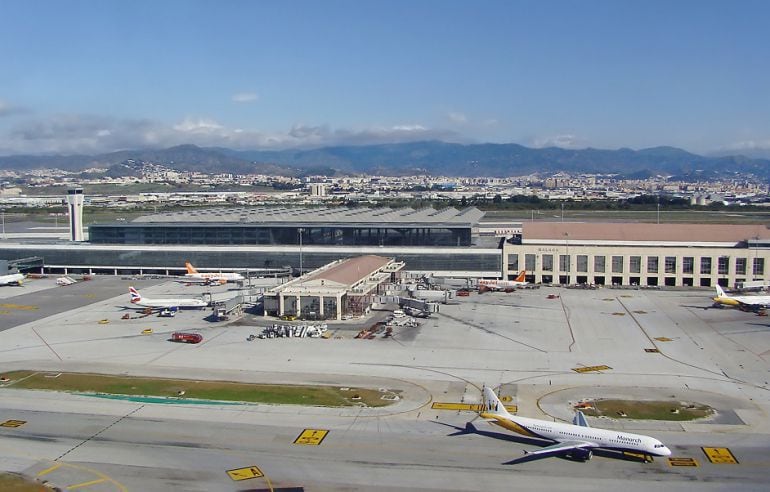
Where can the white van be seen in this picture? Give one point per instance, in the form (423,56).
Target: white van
(398,313)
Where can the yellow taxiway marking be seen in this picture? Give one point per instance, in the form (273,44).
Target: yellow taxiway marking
(49,470)
(591,368)
(664,339)
(311,437)
(471,407)
(13,423)
(720,456)
(640,456)
(246,473)
(20,307)
(682,462)
(85,484)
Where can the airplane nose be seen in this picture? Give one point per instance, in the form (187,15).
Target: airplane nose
(666,452)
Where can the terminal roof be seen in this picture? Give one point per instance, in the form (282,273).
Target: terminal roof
(626,231)
(298,216)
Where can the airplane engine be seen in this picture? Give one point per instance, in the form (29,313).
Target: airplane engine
(581,454)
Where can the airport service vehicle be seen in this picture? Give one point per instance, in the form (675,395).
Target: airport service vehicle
(168,312)
(576,440)
(194,275)
(178,336)
(519,281)
(65,281)
(12,279)
(745,302)
(138,300)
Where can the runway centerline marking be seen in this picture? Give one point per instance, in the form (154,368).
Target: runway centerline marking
(311,437)
(85,484)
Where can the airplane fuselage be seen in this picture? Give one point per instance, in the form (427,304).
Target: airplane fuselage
(561,432)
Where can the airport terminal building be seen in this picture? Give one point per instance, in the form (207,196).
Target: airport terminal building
(446,242)
(699,255)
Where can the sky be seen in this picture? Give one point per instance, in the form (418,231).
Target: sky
(98,76)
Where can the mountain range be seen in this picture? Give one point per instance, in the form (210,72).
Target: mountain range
(427,157)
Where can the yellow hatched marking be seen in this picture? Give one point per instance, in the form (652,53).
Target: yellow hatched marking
(311,437)
(682,462)
(13,423)
(720,456)
(49,470)
(85,484)
(246,473)
(471,407)
(591,368)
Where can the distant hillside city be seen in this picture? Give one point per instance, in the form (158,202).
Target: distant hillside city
(435,171)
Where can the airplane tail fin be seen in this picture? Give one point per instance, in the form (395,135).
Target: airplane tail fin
(522,276)
(492,404)
(580,419)
(190,268)
(134,294)
(720,291)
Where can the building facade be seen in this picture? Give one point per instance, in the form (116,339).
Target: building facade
(681,255)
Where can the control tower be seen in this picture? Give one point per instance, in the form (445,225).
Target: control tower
(75,211)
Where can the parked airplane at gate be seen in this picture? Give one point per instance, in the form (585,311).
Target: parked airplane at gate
(519,281)
(138,300)
(749,302)
(12,279)
(194,275)
(576,440)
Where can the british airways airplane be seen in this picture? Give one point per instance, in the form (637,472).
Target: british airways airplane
(138,300)
(576,440)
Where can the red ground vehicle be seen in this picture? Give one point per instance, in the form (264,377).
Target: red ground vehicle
(186,337)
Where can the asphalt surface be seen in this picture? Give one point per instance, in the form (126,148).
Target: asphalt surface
(528,344)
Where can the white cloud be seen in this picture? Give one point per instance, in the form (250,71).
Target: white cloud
(565,141)
(74,134)
(7,109)
(748,145)
(245,97)
(457,117)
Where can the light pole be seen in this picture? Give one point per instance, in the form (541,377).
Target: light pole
(3,223)
(300,231)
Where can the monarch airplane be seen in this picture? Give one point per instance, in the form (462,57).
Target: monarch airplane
(745,302)
(576,440)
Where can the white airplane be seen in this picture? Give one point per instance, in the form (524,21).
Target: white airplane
(12,279)
(504,284)
(194,275)
(750,302)
(138,300)
(576,440)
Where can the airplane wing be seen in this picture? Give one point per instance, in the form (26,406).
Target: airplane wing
(561,447)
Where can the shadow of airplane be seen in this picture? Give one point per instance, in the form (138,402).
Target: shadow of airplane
(470,428)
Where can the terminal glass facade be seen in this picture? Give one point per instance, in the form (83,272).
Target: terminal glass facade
(256,234)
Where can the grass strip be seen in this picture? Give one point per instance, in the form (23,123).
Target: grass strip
(323,396)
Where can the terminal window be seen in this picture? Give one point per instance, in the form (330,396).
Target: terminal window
(759,266)
(617,264)
(670,264)
(564,263)
(635,264)
(688,265)
(599,264)
(547,263)
(723,265)
(582,263)
(652,266)
(513,262)
(705,265)
(740,266)
(529,262)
